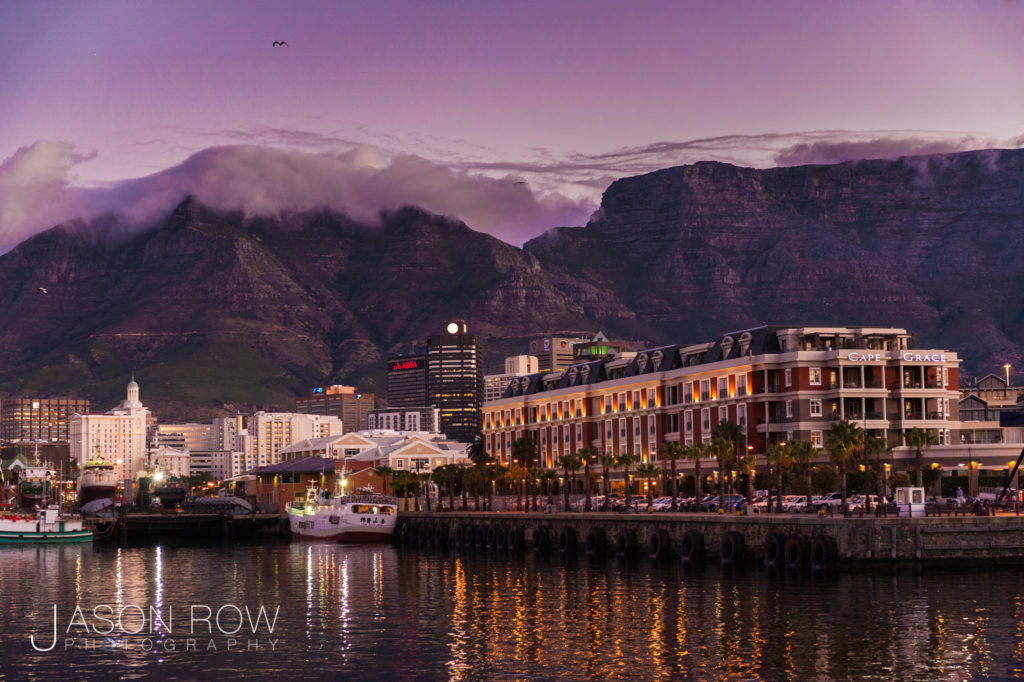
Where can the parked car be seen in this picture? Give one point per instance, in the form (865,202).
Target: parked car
(728,502)
(830,500)
(794,503)
(856,502)
(662,503)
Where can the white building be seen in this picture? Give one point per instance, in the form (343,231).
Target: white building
(406,419)
(271,432)
(119,436)
(515,366)
(174,463)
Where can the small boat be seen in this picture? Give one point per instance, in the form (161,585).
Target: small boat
(363,516)
(44,526)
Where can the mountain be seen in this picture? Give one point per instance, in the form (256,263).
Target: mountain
(215,313)
(931,243)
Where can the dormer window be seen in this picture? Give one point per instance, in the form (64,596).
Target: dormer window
(641,363)
(656,359)
(745,343)
(727,343)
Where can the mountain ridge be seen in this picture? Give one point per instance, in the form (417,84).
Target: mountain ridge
(218,312)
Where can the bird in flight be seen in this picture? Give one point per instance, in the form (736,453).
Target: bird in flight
(43,290)
(280,43)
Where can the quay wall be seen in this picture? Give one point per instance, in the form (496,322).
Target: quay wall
(771,538)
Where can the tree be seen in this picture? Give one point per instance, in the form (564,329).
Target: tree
(803,455)
(733,433)
(447,475)
(549,476)
(587,456)
(524,451)
(384,471)
(920,439)
(406,482)
(477,451)
(625,460)
(570,464)
(748,463)
(695,453)
(672,452)
(843,439)
(607,462)
(518,473)
(878,446)
(650,471)
(723,450)
(781,457)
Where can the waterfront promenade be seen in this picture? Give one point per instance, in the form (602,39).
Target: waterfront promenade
(783,539)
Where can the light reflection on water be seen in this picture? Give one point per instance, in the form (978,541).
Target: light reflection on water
(381,612)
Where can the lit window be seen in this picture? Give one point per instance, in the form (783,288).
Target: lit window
(816,438)
(815,408)
(814,376)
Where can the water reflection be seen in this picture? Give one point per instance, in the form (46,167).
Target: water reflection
(373,612)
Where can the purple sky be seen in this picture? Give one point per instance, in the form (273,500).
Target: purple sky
(562,95)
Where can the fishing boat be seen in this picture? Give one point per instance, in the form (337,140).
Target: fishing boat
(47,525)
(97,481)
(36,488)
(363,516)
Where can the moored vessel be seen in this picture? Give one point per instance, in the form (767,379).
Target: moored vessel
(363,516)
(44,526)
(97,481)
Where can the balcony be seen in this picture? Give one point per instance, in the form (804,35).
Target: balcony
(936,415)
(911,384)
(874,415)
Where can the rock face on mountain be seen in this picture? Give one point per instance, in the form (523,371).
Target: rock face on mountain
(215,313)
(931,243)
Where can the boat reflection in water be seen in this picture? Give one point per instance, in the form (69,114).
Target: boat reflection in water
(380,612)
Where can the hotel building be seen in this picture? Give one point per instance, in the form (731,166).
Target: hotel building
(777,383)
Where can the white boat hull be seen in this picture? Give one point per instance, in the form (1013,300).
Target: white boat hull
(343,522)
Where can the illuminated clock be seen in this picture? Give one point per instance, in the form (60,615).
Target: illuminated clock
(452,328)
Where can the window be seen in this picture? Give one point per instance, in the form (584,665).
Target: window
(723,388)
(672,423)
(705,390)
(723,414)
(705,420)
(652,398)
(787,377)
(688,421)
(608,430)
(815,408)
(789,409)
(636,427)
(687,393)
(789,435)
(607,404)
(351,452)
(741,385)
(400,464)
(565,434)
(651,427)
(814,375)
(816,438)
(741,415)
(622,402)
(636,400)
(622,429)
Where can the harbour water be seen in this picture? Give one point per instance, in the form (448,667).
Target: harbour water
(381,612)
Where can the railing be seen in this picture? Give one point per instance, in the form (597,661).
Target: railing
(912,384)
(936,415)
(913,415)
(874,415)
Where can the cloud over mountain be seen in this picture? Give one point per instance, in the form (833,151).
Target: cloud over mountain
(36,189)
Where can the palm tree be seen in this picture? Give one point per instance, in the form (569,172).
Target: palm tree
(607,462)
(671,451)
(695,453)
(878,446)
(803,455)
(384,471)
(587,457)
(650,471)
(625,460)
(477,451)
(570,464)
(749,465)
(723,450)
(548,476)
(733,433)
(404,480)
(781,457)
(843,439)
(920,439)
(534,476)
(447,475)
(518,473)
(524,451)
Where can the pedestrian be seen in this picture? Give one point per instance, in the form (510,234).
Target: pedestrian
(959,495)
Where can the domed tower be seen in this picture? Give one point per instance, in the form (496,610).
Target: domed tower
(133,395)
